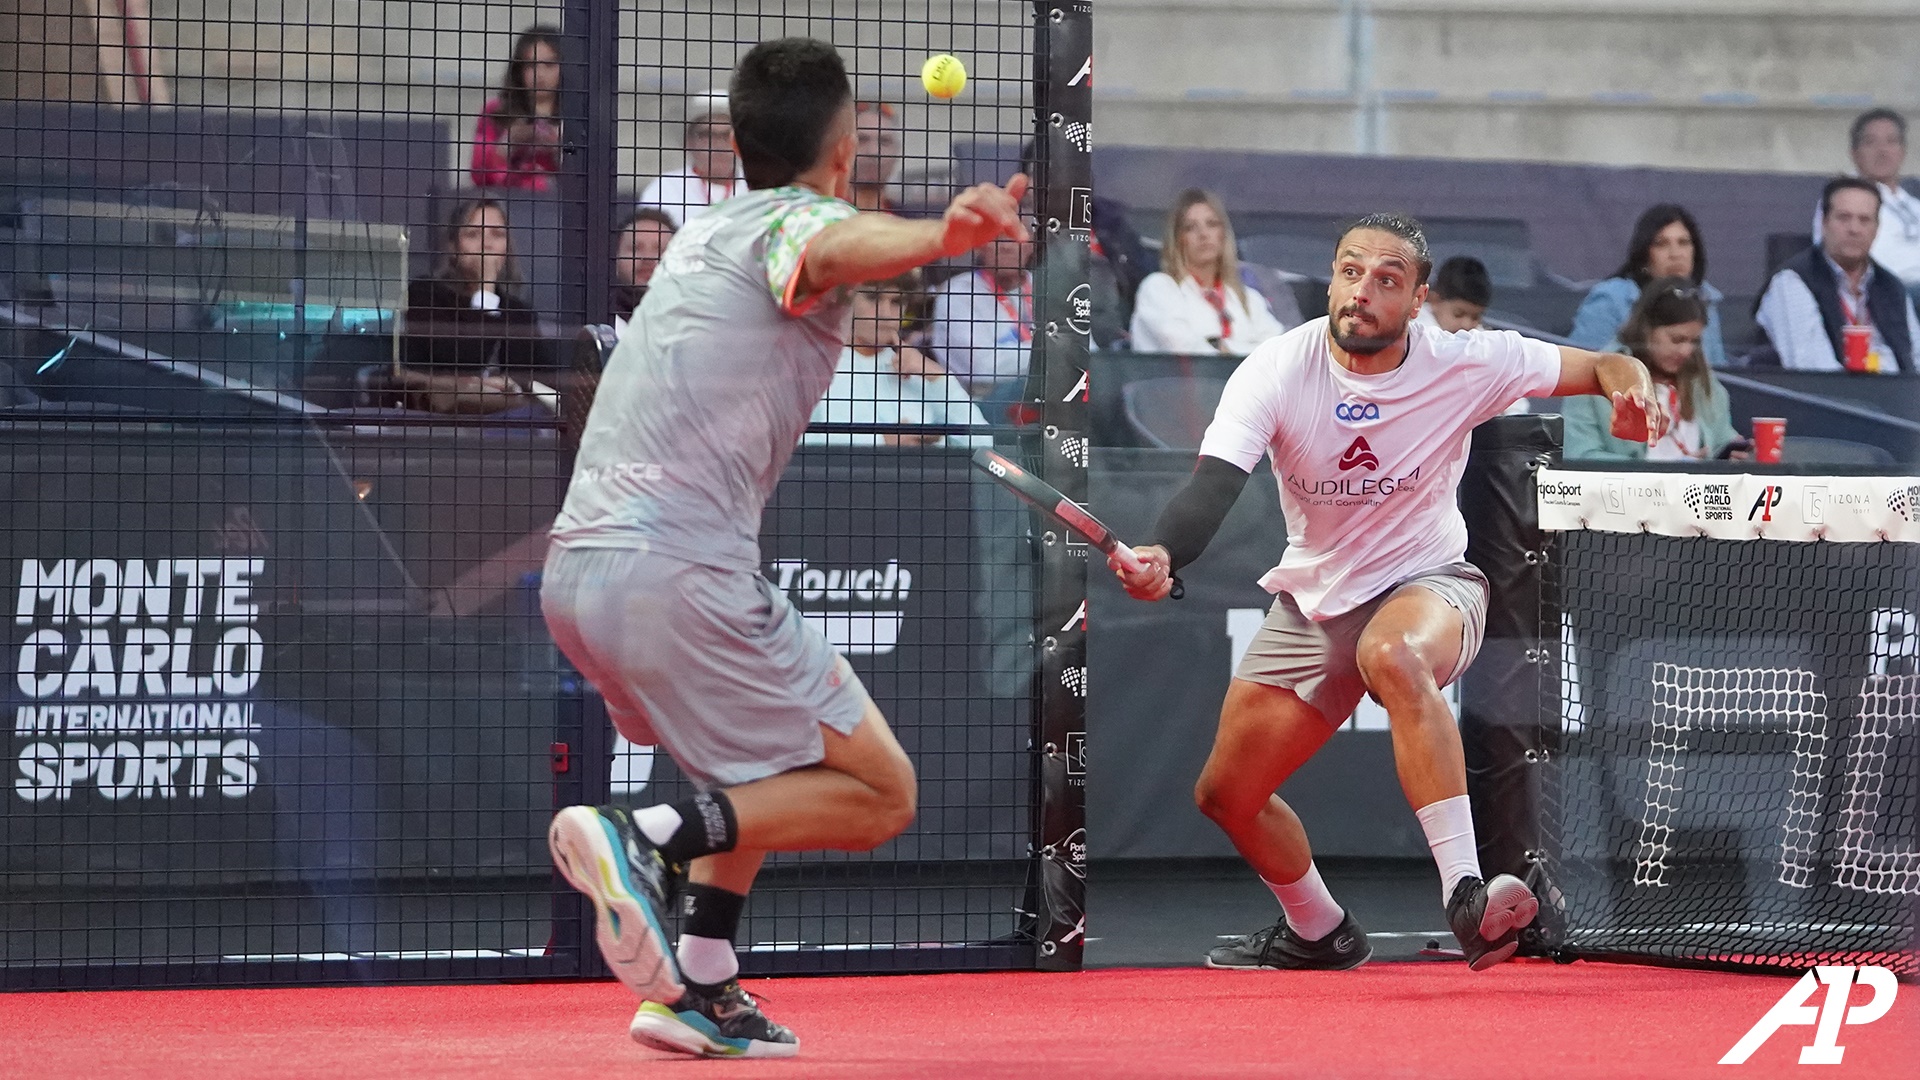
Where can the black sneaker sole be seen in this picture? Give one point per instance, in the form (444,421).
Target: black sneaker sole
(1363,958)
(1511,907)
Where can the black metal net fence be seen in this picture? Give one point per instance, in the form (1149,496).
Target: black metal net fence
(1732,775)
(300,305)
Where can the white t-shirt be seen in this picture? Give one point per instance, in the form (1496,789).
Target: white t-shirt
(685,195)
(1368,465)
(1176,317)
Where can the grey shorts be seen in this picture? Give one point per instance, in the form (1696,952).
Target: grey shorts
(714,665)
(1316,660)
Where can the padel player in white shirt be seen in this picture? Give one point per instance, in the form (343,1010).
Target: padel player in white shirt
(1367,418)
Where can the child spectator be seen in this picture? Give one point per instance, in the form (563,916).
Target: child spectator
(638,244)
(881,379)
(1459,296)
(516,143)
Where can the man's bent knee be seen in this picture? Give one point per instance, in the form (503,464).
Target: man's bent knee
(1390,664)
(1225,806)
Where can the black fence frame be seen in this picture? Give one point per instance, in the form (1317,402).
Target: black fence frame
(582,743)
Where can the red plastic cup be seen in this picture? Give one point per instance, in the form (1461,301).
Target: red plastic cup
(1769,432)
(1858,341)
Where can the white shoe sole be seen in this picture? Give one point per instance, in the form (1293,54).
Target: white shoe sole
(660,1029)
(1511,906)
(633,944)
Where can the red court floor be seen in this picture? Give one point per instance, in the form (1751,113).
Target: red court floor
(1432,1021)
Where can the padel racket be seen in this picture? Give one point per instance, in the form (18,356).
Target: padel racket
(1059,509)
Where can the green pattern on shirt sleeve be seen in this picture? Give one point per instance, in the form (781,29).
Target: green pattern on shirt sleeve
(791,224)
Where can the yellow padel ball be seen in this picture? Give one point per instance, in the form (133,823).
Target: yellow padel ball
(944,75)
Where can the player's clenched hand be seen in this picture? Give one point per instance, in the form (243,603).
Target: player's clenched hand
(984,213)
(1155,577)
(1637,417)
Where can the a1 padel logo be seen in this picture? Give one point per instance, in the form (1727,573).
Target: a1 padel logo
(1358,456)
(1826,1019)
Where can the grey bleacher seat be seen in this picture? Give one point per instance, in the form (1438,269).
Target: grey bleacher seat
(1172,413)
(1812,450)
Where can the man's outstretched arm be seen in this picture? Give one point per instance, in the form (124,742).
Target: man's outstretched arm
(1637,415)
(875,246)
(1186,526)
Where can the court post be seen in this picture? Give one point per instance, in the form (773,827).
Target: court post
(1063,82)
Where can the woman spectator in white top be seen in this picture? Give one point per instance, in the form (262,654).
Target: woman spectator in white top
(712,171)
(1197,302)
(882,380)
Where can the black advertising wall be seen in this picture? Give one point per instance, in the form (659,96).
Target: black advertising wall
(227,671)
(283,658)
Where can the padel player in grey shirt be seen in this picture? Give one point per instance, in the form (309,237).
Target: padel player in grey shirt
(653,585)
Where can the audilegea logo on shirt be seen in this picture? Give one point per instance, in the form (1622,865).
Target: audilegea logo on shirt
(1349,488)
(1359,456)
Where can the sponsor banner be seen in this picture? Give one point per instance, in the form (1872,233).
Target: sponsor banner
(1733,506)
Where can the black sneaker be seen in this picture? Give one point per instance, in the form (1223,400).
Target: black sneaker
(1279,947)
(604,856)
(712,1021)
(1487,917)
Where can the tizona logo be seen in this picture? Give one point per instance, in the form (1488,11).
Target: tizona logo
(1353,411)
(1792,1010)
(1358,456)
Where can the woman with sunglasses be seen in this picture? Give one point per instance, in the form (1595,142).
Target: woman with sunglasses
(1666,243)
(1664,332)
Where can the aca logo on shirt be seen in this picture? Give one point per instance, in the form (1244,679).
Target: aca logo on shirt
(1352,412)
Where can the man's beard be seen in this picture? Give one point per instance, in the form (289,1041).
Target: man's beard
(1372,344)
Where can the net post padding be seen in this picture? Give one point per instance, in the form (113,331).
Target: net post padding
(1504,728)
(1063,57)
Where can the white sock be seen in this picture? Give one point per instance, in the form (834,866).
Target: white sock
(1449,828)
(1309,906)
(708,960)
(657,822)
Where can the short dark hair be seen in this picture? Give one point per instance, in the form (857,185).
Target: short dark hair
(1462,278)
(1640,247)
(646,213)
(1401,225)
(784,97)
(1846,183)
(1859,128)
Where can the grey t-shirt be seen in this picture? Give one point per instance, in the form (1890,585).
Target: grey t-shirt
(706,396)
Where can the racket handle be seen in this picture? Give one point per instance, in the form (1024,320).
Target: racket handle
(1128,560)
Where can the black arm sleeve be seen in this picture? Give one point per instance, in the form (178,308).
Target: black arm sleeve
(1193,515)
